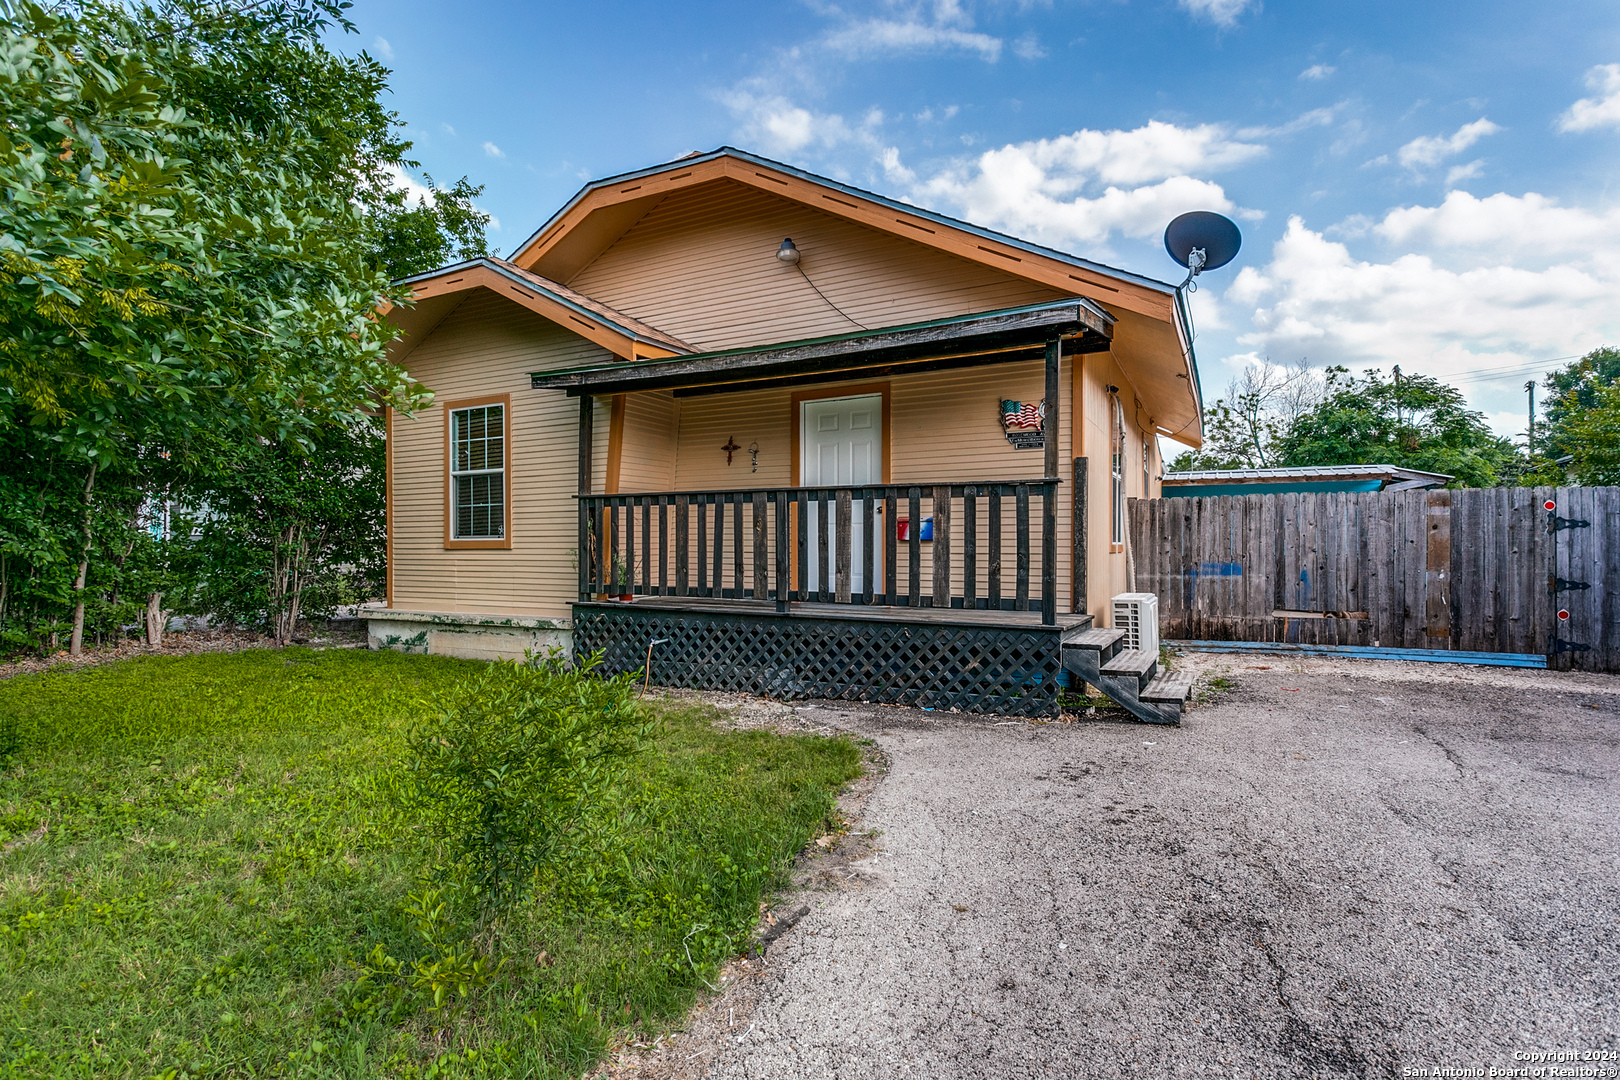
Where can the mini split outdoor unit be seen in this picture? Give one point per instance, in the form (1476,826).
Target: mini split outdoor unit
(1137,613)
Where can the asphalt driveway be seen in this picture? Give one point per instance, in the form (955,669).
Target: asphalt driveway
(1331,869)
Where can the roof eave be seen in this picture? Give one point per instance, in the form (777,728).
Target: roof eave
(524,281)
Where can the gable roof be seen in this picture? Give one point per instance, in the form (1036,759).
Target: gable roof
(1153,346)
(621,334)
(603,209)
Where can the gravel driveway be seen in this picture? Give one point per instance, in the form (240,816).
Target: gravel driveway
(1331,869)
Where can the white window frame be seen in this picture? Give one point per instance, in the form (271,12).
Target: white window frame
(455,414)
(1117,474)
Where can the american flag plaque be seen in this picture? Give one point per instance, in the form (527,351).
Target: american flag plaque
(1024,423)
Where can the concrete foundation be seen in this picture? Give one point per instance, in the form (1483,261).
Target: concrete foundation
(473,635)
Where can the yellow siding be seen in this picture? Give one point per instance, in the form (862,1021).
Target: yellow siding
(488,346)
(1107,567)
(702,265)
(647,462)
(945,427)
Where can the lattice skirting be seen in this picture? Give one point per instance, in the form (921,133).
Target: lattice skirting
(1007,671)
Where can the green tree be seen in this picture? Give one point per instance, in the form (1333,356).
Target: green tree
(1579,435)
(1242,427)
(1414,421)
(1570,392)
(292,529)
(411,236)
(203,210)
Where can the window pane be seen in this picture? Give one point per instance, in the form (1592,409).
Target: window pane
(479,438)
(480,507)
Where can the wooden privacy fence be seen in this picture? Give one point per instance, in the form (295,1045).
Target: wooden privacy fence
(1478,569)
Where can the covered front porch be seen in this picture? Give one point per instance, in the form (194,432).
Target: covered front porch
(937,590)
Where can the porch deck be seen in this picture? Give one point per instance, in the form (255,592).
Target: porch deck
(922,616)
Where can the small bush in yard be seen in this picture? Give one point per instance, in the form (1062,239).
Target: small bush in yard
(514,764)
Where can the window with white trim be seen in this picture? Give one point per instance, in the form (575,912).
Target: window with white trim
(478,473)
(1117,468)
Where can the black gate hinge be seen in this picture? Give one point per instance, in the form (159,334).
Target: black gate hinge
(1556,523)
(1559,645)
(1557,585)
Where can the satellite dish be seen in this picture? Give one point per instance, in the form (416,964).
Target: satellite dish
(1201,240)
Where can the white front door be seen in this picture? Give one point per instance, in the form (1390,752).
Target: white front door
(841,443)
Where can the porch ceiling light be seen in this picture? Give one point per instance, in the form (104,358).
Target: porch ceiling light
(787,253)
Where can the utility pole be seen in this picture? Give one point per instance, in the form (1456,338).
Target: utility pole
(1530,440)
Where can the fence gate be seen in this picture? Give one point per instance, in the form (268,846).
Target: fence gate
(1478,569)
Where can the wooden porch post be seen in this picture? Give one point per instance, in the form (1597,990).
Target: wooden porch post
(587,549)
(1078,601)
(1050,428)
(586,429)
(1050,425)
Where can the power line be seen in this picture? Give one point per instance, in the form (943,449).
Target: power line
(1511,372)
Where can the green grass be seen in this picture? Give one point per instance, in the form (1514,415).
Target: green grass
(203,856)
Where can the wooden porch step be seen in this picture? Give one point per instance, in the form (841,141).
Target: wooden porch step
(1138,662)
(1169,686)
(1101,640)
(1072,630)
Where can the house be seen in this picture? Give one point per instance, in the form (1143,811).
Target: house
(1208,482)
(778,434)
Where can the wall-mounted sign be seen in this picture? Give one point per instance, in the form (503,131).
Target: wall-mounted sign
(1024,423)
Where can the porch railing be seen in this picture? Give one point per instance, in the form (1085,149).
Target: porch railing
(970,545)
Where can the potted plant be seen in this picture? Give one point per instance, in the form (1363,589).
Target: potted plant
(621,579)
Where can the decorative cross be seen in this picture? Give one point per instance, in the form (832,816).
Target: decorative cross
(730,448)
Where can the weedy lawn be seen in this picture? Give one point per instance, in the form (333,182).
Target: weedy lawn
(208,868)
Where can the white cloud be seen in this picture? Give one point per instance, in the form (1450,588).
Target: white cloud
(1317,72)
(1600,111)
(382,48)
(1526,230)
(448,130)
(781,127)
(494,151)
(1089,185)
(1223,13)
(943,26)
(1480,285)
(1429,150)
(1314,118)
(1029,47)
(1458,173)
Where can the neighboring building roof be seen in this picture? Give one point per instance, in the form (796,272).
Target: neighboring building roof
(1211,482)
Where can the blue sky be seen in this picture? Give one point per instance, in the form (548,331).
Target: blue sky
(1429,184)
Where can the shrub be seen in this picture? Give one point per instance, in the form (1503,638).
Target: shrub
(513,767)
